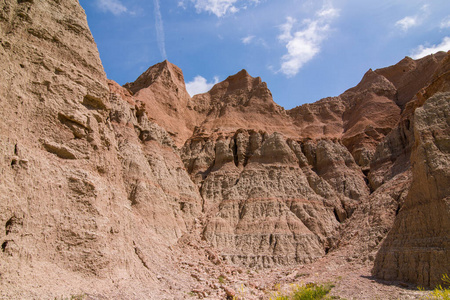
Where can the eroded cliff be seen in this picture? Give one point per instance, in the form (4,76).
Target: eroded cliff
(107,189)
(90,187)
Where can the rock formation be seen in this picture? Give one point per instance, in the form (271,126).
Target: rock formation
(162,91)
(104,188)
(90,187)
(349,153)
(417,249)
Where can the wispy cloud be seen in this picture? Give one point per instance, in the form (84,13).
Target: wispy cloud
(200,85)
(422,50)
(113,6)
(248,39)
(286,29)
(445,23)
(407,22)
(160,30)
(219,7)
(304,44)
(412,21)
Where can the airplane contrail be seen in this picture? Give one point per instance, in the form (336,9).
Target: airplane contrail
(160,30)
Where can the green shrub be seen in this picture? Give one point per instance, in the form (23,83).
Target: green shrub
(72,297)
(439,292)
(221,279)
(310,291)
(442,293)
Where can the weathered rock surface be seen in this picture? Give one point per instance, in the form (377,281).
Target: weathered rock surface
(362,116)
(269,199)
(344,149)
(417,249)
(90,187)
(261,210)
(241,102)
(113,191)
(391,174)
(409,75)
(162,91)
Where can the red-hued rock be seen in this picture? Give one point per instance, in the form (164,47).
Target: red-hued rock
(162,91)
(144,192)
(417,249)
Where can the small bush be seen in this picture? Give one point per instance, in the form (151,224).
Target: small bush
(310,291)
(441,293)
(72,297)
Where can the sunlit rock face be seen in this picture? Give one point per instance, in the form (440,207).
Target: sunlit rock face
(266,204)
(335,157)
(102,185)
(417,248)
(92,192)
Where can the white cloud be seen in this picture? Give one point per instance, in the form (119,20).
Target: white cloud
(412,21)
(112,6)
(304,44)
(219,7)
(286,29)
(200,85)
(445,23)
(160,30)
(422,51)
(248,39)
(407,22)
(328,13)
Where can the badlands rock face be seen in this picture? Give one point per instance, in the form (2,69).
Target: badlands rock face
(420,237)
(105,189)
(90,187)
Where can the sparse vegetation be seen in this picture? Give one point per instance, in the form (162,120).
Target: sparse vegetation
(221,279)
(301,275)
(310,291)
(192,294)
(441,292)
(72,297)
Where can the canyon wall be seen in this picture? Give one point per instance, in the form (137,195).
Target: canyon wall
(417,249)
(90,187)
(101,184)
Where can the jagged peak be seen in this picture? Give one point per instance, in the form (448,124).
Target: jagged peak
(243,75)
(163,71)
(372,80)
(242,80)
(395,72)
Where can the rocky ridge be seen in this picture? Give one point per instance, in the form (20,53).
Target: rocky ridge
(115,191)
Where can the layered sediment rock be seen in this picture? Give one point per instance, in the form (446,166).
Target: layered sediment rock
(90,187)
(241,102)
(162,92)
(101,181)
(264,203)
(417,249)
(350,154)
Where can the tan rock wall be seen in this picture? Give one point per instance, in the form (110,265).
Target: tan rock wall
(417,248)
(96,186)
(271,200)
(92,194)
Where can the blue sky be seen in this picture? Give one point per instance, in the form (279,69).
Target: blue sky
(305,50)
